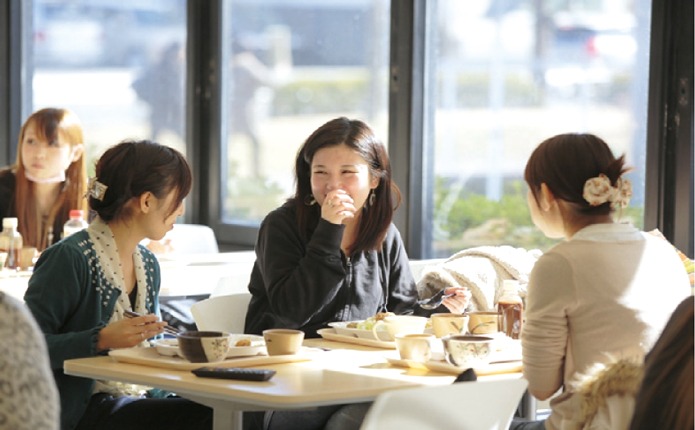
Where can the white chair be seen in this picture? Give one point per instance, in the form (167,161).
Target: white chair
(192,239)
(480,405)
(221,313)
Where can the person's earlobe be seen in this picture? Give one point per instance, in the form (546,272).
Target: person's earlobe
(145,202)
(77,151)
(546,199)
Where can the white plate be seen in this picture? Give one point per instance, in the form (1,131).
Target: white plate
(257,346)
(445,367)
(331,334)
(170,347)
(167,347)
(342,329)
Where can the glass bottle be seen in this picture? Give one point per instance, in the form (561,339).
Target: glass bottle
(511,309)
(75,223)
(11,242)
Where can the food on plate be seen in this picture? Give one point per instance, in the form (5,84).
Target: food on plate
(369,322)
(382,315)
(243,342)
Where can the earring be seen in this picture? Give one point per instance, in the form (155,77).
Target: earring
(372,197)
(309,200)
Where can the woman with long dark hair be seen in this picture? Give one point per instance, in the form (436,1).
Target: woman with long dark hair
(48,179)
(332,252)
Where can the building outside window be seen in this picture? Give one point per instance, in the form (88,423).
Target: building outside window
(506,75)
(501,76)
(119,65)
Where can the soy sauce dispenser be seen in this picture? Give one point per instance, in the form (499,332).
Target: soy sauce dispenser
(511,309)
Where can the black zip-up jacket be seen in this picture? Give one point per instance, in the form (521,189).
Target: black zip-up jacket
(307,284)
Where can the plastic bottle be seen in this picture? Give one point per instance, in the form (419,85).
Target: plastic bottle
(11,242)
(511,309)
(75,223)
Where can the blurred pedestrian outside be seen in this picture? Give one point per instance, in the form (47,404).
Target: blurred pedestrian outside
(161,86)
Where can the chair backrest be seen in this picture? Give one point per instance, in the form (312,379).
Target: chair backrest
(480,405)
(221,313)
(193,239)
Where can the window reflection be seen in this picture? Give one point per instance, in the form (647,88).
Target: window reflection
(291,67)
(507,76)
(118,65)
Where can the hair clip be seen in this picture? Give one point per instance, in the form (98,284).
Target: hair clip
(598,190)
(623,193)
(97,190)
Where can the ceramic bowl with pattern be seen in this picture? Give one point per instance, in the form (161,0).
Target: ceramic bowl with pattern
(204,346)
(467,351)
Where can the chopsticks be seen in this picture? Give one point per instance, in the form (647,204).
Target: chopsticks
(167,328)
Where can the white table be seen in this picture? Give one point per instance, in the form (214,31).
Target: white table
(205,274)
(182,275)
(347,374)
(14,283)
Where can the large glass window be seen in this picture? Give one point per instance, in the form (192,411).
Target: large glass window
(500,77)
(509,74)
(119,65)
(291,66)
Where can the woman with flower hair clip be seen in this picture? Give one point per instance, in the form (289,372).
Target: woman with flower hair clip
(83,286)
(606,292)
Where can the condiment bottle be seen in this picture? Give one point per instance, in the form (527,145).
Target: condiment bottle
(75,223)
(511,309)
(11,242)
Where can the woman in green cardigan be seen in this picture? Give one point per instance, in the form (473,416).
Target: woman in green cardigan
(82,286)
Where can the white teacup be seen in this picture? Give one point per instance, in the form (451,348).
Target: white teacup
(399,324)
(416,347)
(283,341)
(444,324)
(467,350)
(483,322)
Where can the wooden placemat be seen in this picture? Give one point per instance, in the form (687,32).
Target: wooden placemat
(150,357)
(330,334)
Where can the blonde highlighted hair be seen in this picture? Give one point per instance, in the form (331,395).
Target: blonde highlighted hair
(49,124)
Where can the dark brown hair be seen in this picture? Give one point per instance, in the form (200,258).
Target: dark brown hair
(665,399)
(358,136)
(565,162)
(50,124)
(132,168)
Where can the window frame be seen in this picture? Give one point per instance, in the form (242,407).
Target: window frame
(12,52)
(669,181)
(411,156)
(669,156)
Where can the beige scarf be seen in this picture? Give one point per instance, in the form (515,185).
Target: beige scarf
(104,244)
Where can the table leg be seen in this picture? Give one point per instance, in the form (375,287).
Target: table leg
(227,419)
(528,406)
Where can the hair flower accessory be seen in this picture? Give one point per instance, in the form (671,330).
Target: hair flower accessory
(623,193)
(97,190)
(599,190)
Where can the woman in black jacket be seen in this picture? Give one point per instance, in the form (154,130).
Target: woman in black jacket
(331,252)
